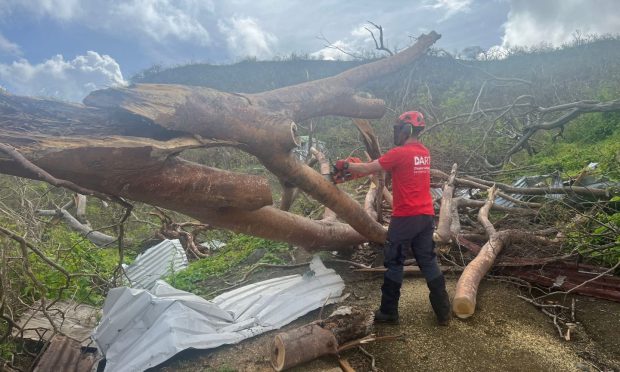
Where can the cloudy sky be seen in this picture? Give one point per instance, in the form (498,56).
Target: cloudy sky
(66,48)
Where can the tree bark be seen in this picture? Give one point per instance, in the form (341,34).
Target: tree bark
(98,238)
(302,345)
(80,208)
(323,337)
(464,302)
(373,150)
(442,235)
(474,182)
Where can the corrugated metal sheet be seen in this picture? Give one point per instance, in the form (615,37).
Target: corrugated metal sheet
(213,245)
(66,355)
(156,262)
(141,329)
(437,192)
(547,180)
(74,320)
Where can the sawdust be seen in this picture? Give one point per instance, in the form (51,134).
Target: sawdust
(505,334)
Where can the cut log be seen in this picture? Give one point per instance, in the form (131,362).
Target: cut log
(442,235)
(301,345)
(464,302)
(320,338)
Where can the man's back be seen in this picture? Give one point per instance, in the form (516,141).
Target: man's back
(410,165)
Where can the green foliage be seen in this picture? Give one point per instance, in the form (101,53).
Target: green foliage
(590,138)
(76,255)
(603,232)
(6,348)
(237,248)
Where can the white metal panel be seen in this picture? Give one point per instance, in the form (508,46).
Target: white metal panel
(141,329)
(156,262)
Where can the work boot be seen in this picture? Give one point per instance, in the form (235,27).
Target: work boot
(440,301)
(381,317)
(390,294)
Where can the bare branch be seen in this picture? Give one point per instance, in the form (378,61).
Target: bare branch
(94,236)
(378,45)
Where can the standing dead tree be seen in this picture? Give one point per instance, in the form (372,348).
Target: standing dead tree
(125,142)
(379,44)
(377,39)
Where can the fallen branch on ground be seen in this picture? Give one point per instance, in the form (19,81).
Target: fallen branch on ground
(98,238)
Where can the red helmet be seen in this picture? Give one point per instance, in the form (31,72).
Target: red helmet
(415,118)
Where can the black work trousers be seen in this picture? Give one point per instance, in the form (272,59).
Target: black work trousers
(415,233)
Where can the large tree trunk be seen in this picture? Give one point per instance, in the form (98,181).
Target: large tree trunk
(125,143)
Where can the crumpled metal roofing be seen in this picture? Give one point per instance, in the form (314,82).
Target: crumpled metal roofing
(141,329)
(66,355)
(160,260)
(551,180)
(74,320)
(527,181)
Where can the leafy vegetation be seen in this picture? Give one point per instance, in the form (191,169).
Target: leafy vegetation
(605,233)
(238,248)
(76,255)
(592,138)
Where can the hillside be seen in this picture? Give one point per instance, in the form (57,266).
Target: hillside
(441,87)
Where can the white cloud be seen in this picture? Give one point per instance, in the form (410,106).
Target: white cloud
(335,52)
(178,31)
(162,19)
(554,22)
(495,52)
(8,47)
(64,79)
(154,20)
(358,43)
(245,38)
(58,9)
(451,7)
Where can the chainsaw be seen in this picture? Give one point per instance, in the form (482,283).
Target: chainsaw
(341,173)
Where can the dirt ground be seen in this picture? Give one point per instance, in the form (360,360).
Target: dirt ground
(505,334)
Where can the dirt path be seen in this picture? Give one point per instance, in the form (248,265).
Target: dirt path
(505,334)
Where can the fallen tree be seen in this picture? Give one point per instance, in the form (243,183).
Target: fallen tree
(125,142)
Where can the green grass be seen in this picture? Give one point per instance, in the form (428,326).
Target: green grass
(593,138)
(238,248)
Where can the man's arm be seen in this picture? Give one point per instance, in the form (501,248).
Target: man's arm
(366,168)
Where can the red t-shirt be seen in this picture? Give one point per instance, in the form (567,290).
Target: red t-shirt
(410,166)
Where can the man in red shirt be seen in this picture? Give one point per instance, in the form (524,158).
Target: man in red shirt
(412,224)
